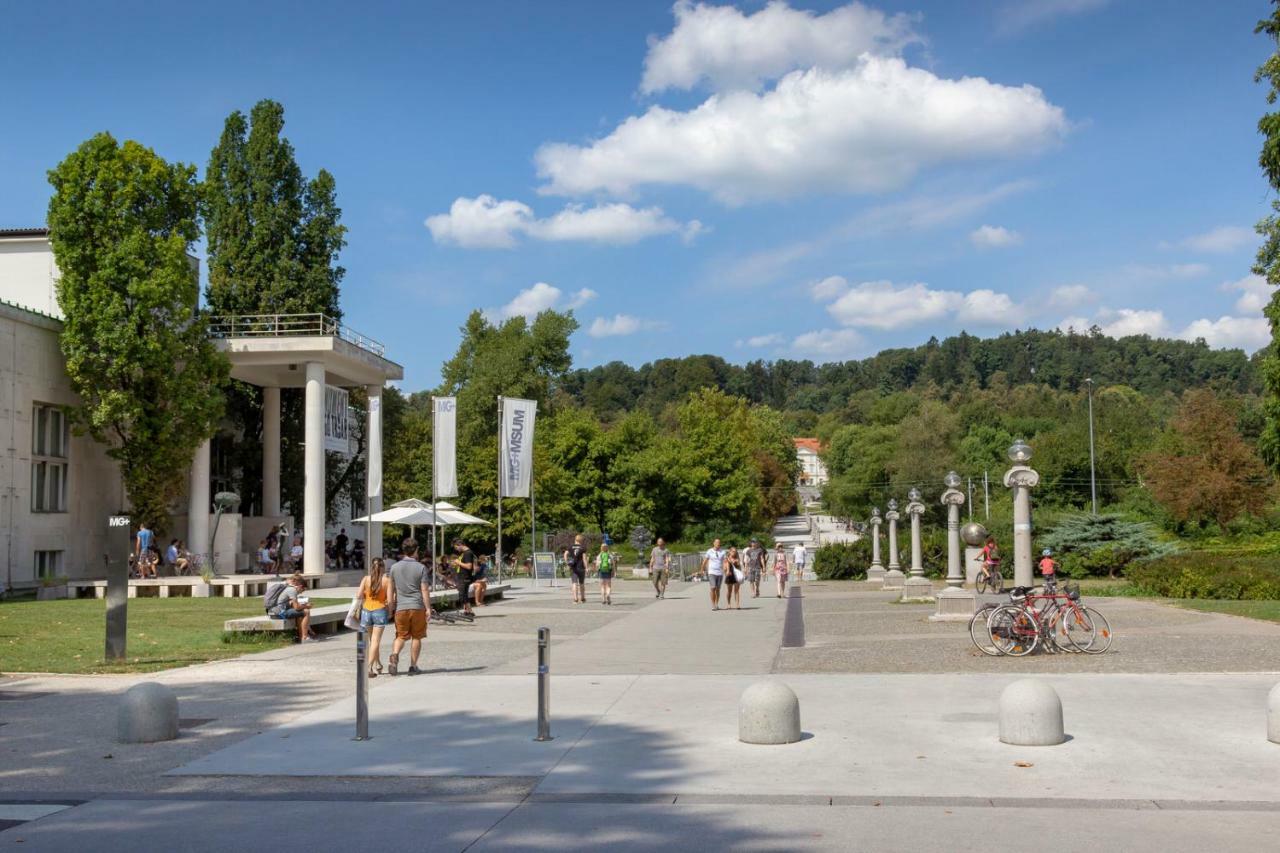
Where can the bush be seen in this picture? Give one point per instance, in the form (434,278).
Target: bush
(1093,545)
(1201,574)
(850,560)
(843,561)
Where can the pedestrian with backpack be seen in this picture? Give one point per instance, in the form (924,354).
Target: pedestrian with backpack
(606,562)
(284,600)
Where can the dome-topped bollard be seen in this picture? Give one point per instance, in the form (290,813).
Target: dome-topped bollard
(148,713)
(1031,715)
(1273,715)
(768,712)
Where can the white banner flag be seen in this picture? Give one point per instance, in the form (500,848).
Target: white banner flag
(373,445)
(515,451)
(337,425)
(444,446)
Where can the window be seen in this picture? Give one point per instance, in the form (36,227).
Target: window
(50,440)
(48,564)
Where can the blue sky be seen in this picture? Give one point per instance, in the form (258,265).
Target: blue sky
(820,180)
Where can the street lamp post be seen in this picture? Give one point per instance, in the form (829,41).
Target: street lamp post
(875,573)
(955,603)
(917,586)
(1093,477)
(894,577)
(1021,479)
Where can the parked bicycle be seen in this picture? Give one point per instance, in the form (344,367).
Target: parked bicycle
(1050,620)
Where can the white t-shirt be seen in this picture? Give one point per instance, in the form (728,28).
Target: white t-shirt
(264,556)
(715,561)
(800,555)
(296,552)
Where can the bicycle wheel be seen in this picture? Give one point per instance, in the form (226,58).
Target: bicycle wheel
(997,582)
(978,631)
(1057,628)
(1101,632)
(1013,630)
(980,584)
(1076,628)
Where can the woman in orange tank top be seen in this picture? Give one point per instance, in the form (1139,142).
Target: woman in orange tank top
(379,597)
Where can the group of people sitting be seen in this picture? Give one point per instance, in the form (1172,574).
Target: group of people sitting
(147,561)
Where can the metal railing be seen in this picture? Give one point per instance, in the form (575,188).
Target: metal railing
(289,325)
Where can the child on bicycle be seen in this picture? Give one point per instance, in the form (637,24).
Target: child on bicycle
(990,557)
(1048,570)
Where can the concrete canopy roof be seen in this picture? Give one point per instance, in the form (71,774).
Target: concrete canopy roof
(281,361)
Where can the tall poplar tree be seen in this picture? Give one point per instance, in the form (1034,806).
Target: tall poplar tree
(121,221)
(273,241)
(1267,263)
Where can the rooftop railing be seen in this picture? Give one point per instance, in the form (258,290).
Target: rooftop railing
(289,325)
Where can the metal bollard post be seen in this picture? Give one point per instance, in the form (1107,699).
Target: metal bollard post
(544,684)
(362,687)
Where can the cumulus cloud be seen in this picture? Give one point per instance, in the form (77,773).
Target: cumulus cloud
(1016,16)
(1224,238)
(829,343)
(1226,332)
(619,325)
(1164,271)
(532,301)
(1133,321)
(994,237)
(885,305)
(485,222)
(831,287)
(760,341)
(1254,291)
(1070,296)
(722,47)
(868,128)
(1246,333)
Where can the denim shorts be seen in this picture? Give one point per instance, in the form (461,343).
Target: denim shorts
(369,618)
(291,613)
(715,580)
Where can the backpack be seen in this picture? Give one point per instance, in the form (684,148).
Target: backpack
(271,599)
(606,562)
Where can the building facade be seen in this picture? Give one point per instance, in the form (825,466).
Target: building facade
(812,470)
(57,490)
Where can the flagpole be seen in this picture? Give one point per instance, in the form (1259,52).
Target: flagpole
(498,550)
(435,526)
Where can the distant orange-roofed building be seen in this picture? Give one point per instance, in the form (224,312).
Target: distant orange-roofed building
(808,454)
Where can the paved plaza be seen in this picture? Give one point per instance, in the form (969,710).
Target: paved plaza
(1166,741)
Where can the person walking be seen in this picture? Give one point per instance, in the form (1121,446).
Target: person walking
(606,564)
(660,568)
(142,549)
(780,569)
(733,578)
(576,558)
(464,573)
(799,556)
(340,549)
(713,570)
(379,596)
(755,557)
(409,603)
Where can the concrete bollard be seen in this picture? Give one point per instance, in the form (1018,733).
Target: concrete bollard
(768,712)
(1273,714)
(1031,714)
(148,713)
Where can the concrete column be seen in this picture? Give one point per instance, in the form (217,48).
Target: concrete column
(198,504)
(1022,479)
(373,469)
(955,603)
(893,577)
(917,586)
(313,508)
(270,451)
(875,573)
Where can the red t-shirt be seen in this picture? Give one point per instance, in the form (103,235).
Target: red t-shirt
(1046,567)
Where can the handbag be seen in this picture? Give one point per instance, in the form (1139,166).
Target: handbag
(737,575)
(353,613)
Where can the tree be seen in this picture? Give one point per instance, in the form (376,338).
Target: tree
(1202,470)
(1267,263)
(273,241)
(121,222)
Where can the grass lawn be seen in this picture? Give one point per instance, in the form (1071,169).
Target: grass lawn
(68,635)
(1268,610)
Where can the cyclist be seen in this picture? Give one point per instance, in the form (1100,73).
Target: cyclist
(1049,570)
(990,557)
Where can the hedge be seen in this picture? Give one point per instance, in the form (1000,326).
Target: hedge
(1208,575)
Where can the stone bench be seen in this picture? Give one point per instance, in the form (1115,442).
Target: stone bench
(332,617)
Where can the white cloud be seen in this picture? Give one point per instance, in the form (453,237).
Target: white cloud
(1019,15)
(1132,321)
(532,301)
(831,287)
(1224,238)
(994,237)
(760,341)
(1077,324)
(1071,295)
(885,305)
(1164,271)
(729,50)
(829,343)
(1255,293)
(869,128)
(619,325)
(485,222)
(1246,333)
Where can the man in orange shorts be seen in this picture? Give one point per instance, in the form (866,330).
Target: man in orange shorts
(412,594)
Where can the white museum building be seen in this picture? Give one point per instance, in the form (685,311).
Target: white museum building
(58,490)
(813,472)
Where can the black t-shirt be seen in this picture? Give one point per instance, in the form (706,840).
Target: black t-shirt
(578,557)
(467,564)
(341,541)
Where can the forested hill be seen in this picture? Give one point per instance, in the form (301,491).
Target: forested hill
(1058,359)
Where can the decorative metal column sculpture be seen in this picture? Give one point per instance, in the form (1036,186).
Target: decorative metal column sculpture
(893,578)
(1022,479)
(875,574)
(917,586)
(955,603)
